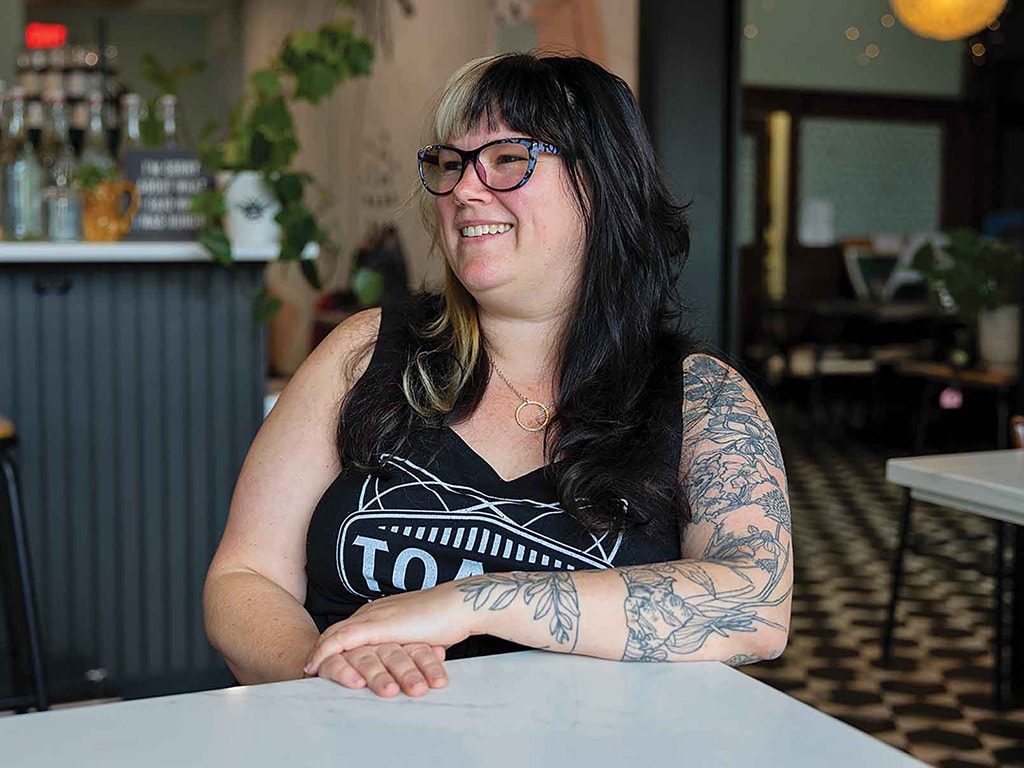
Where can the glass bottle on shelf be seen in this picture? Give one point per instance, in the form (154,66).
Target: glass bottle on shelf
(94,80)
(131,126)
(113,90)
(62,204)
(169,120)
(95,150)
(54,80)
(39,62)
(22,176)
(77,86)
(28,78)
(53,102)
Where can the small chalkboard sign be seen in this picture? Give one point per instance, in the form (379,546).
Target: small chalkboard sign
(166,180)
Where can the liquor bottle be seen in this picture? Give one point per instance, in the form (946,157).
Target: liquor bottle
(40,61)
(22,176)
(28,78)
(77,86)
(48,142)
(168,108)
(131,126)
(95,150)
(94,80)
(61,202)
(54,80)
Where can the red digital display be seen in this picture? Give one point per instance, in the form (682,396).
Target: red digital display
(39,35)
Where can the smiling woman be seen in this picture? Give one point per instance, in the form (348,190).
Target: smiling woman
(612,490)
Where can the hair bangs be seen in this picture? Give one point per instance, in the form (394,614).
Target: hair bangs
(516,89)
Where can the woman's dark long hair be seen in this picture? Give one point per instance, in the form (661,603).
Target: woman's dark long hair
(613,443)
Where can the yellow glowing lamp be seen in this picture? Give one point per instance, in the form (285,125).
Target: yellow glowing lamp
(947,19)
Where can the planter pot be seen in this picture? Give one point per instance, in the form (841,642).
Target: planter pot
(999,338)
(250,209)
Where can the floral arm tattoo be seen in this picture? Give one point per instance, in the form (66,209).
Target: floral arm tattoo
(734,464)
(553,597)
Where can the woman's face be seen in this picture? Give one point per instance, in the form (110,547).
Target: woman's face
(532,267)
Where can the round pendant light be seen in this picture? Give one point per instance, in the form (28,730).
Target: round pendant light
(947,19)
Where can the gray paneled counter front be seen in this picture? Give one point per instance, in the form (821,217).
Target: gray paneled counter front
(135,375)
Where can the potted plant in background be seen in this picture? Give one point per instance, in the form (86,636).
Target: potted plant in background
(260,197)
(981,280)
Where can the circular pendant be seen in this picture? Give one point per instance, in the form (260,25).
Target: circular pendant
(539,420)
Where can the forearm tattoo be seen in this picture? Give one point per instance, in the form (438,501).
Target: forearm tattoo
(736,464)
(552,595)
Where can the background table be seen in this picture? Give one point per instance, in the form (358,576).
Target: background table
(516,710)
(986,483)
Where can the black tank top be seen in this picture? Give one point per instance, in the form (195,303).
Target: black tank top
(439,512)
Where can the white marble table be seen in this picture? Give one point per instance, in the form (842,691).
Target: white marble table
(517,710)
(987,483)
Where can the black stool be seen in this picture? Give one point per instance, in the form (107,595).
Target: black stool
(18,591)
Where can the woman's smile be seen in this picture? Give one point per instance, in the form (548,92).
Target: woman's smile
(483,231)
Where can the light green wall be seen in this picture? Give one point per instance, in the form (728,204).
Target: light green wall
(173,38)
(802,44)
(878,176)
(12,22)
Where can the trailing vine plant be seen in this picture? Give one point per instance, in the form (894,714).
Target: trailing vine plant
(261,136)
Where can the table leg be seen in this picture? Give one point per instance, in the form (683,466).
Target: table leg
(921,425)
(1017,619)
(897,576)
(1003,418)
(999,646)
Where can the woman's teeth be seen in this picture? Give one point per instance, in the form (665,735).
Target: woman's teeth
(485,229)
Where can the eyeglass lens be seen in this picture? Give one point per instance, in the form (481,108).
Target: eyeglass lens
(500,167)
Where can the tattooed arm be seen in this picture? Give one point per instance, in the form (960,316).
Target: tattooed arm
(727,599)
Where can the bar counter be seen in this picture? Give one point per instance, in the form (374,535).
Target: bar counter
(126,252)
(135,374)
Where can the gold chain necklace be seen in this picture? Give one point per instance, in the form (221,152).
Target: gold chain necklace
(540,420)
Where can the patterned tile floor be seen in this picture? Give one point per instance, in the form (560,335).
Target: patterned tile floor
(933,700)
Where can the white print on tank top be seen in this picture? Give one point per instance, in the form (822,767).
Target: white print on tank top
(413,530)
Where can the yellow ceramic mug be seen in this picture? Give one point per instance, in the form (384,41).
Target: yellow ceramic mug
(102,218)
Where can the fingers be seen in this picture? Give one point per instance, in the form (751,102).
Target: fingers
(388,669)
(428,659)
(369,662)
(340,670)
(414,667)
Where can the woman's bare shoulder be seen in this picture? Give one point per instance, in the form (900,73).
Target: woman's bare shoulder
(706,378)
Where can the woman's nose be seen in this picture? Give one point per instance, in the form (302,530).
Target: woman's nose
(470,186)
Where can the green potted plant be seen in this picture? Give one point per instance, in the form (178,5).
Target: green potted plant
(166,81)
(981,280)
(260,198)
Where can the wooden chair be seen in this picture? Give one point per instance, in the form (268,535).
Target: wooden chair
(22,616)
